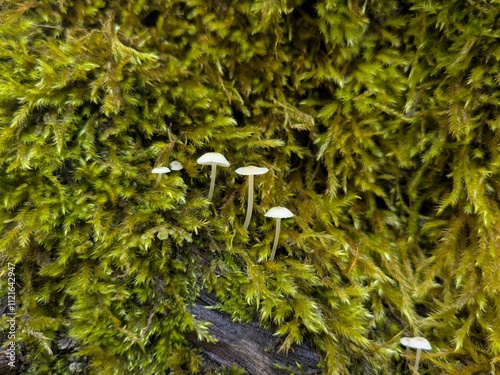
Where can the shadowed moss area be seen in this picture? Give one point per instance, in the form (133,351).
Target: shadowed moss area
(378,123)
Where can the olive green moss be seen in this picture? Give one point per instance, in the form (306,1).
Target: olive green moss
(379,123)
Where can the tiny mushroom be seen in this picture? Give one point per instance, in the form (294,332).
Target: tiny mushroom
(278,213)
(214,159)
(160,171)
(176,165)
(250,171)
(418,343)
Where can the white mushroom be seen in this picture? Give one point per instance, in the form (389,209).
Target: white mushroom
(278,213)
(160,171)
(250,171)
(176,165)
(418,343)
(214,159)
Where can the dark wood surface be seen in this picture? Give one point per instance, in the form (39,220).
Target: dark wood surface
(248,345)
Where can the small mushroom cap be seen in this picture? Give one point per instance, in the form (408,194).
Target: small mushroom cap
(251,170)
(160,170)
(279,213)
(416,343)
(176,165)
(213,158)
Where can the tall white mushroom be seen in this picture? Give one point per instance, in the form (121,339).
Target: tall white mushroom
(278,213)
(250,171)
(418,343)
(214,159)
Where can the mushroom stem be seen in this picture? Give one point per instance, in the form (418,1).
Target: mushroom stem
(417,360)
(276,238)
(212,182)
(158,179)
(249,202)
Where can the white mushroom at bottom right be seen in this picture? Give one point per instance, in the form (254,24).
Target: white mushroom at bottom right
(419,343)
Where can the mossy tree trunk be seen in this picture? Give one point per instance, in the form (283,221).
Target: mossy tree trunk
(378,122)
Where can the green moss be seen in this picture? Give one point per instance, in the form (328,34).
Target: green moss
(378,123)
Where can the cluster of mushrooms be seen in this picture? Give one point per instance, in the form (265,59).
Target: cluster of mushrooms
(215,159)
